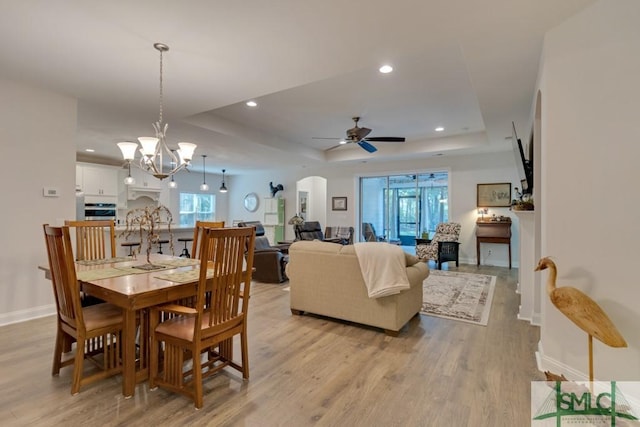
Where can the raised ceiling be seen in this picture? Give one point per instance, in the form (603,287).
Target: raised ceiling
(466,65)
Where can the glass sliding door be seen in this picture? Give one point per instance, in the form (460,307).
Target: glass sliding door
(400,208)
(374,208)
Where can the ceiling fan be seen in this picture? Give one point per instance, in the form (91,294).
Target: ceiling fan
(358,135)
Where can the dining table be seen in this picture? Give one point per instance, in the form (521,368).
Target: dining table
(122,282)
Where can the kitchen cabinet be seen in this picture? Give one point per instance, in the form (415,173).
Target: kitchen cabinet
(145,180)
(274,219)
(97,180)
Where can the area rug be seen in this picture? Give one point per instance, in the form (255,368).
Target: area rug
(459,296)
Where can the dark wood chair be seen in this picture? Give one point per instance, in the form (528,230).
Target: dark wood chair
(96,330)
(204,333)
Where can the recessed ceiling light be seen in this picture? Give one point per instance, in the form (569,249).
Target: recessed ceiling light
(89,150)
(385,69)
(439,129)
(342,141)
(252,103)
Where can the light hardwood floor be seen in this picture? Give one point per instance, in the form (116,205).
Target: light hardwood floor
(306,370)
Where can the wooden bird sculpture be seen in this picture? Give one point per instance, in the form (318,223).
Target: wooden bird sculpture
(584,312)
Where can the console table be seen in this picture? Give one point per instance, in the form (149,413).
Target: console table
(493,231)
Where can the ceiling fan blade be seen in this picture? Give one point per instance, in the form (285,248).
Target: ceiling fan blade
(367,147)
(317,137)
(386,139)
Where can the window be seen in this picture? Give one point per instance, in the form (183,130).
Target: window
(196,207)
(402,207)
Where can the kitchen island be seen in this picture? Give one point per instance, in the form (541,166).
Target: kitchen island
(176,233)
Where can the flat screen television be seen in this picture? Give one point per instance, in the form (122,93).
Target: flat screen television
(524,166)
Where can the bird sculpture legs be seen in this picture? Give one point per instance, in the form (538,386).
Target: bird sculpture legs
(591,358)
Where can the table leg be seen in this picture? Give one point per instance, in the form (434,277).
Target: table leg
(509,255)
(478,250)
(129,359)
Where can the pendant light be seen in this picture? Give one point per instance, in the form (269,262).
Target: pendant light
(129,180)
(223,188)
(173,184)
(204,186)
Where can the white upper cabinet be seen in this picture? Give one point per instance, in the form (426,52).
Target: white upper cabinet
(145,180)
(97,180)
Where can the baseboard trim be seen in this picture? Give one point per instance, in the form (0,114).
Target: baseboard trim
(27,314)
(546,363)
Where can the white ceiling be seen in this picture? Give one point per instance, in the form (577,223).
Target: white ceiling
(467,65)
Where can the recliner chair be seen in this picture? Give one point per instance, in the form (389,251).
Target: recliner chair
(269,261)
(312,230)
(369,234)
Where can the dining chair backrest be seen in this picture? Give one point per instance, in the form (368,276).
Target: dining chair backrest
(92,237)
(63,276)
(223,253)
(197,231)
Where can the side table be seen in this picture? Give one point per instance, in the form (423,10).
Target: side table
(488,231)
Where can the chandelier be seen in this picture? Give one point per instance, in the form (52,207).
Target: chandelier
(154,148)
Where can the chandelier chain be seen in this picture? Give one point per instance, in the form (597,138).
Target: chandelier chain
(161,92)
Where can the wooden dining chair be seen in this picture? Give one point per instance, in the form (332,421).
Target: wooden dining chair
(204,333)
(96,330)
(200,225)
(92,237)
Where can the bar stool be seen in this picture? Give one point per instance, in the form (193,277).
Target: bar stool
(185,251)
(160,243)
(130,245)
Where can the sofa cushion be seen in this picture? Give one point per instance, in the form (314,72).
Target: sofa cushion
(335,248)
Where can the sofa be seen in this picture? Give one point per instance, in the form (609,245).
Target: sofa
(325,279)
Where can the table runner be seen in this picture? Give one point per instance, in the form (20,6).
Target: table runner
(102,261)
(107,273)
(185,276)
(178,262)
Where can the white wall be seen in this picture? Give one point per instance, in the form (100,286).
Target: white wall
(466,172)
(37,131)
(589,161)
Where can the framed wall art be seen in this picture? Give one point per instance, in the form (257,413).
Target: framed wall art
(494,195)
(338,203)
(303,204)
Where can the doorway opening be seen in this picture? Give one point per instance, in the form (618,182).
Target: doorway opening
(402,207)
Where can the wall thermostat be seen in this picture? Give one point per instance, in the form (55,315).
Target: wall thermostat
(50,192)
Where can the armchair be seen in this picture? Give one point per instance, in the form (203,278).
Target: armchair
(269,261)
(311,230)
(369,233)
(443,247)
(345,234)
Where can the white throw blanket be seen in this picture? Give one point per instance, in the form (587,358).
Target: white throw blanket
(383,268)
